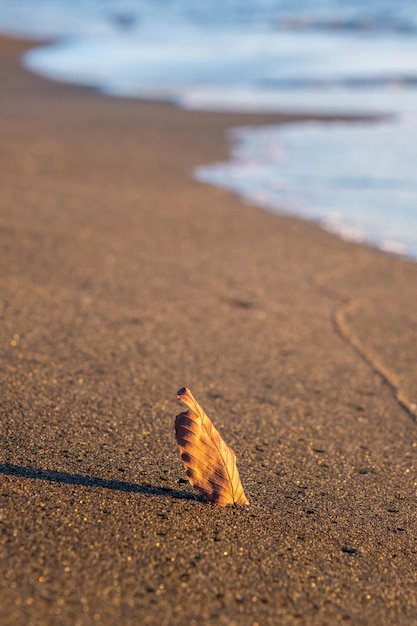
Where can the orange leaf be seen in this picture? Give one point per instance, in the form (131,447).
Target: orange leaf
(209,463)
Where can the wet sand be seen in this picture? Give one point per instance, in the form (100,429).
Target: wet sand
(122,280)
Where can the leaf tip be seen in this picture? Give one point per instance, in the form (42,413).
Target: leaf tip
(185,395)
(181,392)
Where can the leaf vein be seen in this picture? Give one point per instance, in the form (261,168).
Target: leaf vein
(198,460)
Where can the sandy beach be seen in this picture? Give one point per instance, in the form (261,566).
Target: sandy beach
(122,279)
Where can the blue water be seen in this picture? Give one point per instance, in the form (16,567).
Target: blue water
(330,56)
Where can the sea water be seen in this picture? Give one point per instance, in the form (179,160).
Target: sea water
(325,57)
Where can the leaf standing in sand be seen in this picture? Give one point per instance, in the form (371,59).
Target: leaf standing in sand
(209,463)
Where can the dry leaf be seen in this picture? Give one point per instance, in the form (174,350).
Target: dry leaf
(209,463)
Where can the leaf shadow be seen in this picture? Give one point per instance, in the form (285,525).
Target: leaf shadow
(66,478)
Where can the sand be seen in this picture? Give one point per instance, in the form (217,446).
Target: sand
(122,280)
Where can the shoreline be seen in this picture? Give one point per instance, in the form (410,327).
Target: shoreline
(283,117)
(264,196)
(123,279)
(342,229)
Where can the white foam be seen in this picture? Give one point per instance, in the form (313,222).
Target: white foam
(357,180)
(233,70)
